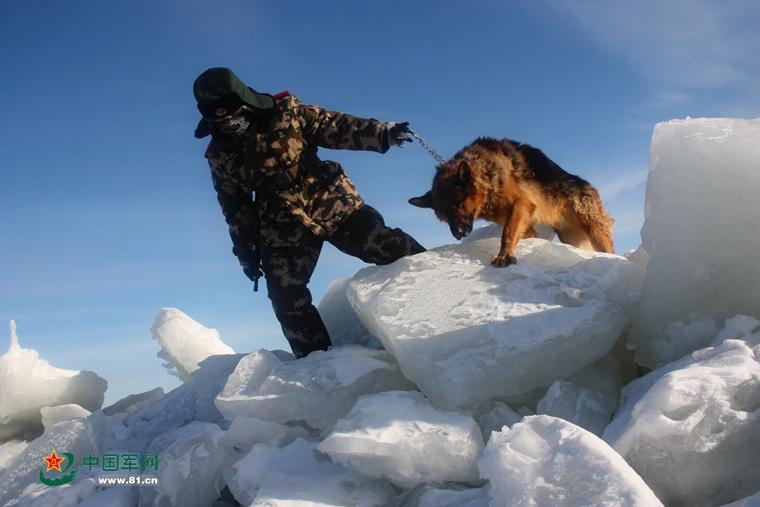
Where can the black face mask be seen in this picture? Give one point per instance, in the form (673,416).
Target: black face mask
(234,126)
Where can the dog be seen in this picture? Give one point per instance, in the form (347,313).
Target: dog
(516,185)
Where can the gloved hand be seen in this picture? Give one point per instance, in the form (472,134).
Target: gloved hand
(398,134)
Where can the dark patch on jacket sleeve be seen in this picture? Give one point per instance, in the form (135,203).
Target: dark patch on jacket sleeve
(340,131)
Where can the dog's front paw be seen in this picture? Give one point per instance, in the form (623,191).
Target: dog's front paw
(503,261)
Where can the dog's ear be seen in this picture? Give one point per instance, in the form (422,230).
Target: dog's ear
(464,172)
(423,201)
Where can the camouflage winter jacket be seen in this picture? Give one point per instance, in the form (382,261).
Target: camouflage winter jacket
(278,160)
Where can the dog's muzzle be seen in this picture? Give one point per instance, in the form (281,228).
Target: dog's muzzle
(460,231)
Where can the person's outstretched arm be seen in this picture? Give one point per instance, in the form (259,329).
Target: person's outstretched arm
(340,131)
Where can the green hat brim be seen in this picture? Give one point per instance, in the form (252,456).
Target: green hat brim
(257,100)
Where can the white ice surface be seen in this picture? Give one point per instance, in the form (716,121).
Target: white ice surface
(692,428)
(134,402)
(185,342)
(436,497)
(401,436)
(191,461)
(28,383)
(467,332)
(245,432)
(547,461)
(8,452)
(117,496)
(75,436)
(73,494)
(341,321)
(318,389)
(587,398)
(301,478)
(245,476)
(54,415)
(191,401)
(493,416)
(702,233)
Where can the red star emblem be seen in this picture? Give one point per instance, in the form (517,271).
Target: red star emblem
(53,461)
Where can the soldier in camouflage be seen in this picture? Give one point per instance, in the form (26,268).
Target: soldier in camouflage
(282,202)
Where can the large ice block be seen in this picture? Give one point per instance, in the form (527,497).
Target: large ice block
(467,332)
(340,319)
(702,234)
(192,459)
(318,389)
(185,342)
(28,383)
(545,460)
(691,428)
(299,477)
(401,436)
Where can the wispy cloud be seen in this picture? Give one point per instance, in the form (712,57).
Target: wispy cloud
(686,44)
(631,180)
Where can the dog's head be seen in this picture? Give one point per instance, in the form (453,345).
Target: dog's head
(451,197)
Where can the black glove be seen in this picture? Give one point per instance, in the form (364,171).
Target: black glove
(399,133)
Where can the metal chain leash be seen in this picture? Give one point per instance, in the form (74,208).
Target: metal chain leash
(437,156)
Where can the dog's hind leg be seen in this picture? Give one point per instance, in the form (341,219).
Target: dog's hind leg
(573,233)
(601,237)
(585,233)
(593,219)
(518,223)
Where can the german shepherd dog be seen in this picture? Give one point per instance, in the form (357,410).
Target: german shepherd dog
(517,186)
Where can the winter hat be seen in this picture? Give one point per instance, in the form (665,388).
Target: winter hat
(219,91)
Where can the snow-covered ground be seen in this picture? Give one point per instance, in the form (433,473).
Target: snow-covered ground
(571,378)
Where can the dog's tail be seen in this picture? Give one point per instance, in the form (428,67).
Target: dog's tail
(588,207)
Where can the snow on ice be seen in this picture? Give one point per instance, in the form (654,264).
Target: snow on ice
(298,476)
(441,363)
(185,342)
(54,415)
(485,328)
(245,432)
(436,497)
(691,428)
(587,398)
(245,476)
(28,383)
(192,458)
(401,436)
(192,401)
(8,451)
(702,233)
(76,436)
(318,389)
(341,321)
(545,460)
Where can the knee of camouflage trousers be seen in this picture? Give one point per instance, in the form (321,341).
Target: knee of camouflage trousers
(365,235)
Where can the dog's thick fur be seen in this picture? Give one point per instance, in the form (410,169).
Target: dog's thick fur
(518,186)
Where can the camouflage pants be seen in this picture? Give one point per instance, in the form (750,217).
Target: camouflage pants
(288,270)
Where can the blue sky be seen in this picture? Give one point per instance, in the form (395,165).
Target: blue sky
(108,213)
